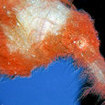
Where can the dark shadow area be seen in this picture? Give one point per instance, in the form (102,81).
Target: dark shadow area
(89,100)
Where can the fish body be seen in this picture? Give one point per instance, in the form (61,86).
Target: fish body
(34,33)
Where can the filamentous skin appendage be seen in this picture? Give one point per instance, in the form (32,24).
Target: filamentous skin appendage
(34,32)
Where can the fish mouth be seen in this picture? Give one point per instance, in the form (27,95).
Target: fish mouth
(98,70)
(97,73)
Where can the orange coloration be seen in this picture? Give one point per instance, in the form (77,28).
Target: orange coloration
(7,15)
(99,88)
(77,38)
(80,31)
(66,2)
(69,3)
(12,63)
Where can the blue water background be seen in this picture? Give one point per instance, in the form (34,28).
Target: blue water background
(58,84)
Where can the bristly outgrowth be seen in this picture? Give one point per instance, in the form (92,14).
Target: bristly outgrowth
(34,32)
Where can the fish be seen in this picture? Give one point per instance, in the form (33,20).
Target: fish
(33,33)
